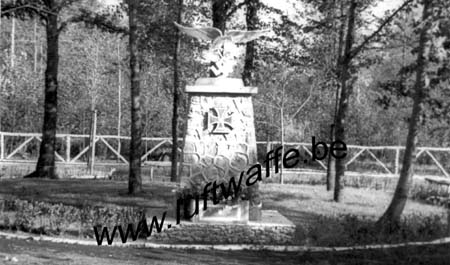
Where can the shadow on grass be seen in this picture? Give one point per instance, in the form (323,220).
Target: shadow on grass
(287,196)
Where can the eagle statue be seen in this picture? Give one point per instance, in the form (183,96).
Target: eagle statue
(220,63)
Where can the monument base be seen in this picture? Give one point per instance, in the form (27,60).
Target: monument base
(222,212)
(255,213)
(272,229)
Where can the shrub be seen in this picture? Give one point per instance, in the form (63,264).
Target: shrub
(348,230)
(51,218)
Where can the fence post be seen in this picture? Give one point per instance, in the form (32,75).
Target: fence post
(94,131)
(151,173)
(2,146)
(268,148)
(68,148)
(448,222)
(397,158)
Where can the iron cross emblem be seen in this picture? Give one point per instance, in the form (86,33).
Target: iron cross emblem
(219,121)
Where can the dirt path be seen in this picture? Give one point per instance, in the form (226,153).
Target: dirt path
(38,252)
(27,252)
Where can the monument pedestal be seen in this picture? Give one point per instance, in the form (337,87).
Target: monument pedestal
(220,138)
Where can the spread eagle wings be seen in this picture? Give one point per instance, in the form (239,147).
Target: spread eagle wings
(203,33)
(240,36)
(216,37)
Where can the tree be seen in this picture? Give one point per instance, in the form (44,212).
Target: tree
(251,18)
(176,99)
(392,215)
(49,11)
(134,179)
(345,90)
(345,70)
(222,10)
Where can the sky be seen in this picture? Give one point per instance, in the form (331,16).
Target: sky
(287,5)
(110,2)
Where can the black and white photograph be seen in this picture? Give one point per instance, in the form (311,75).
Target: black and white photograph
(172,132)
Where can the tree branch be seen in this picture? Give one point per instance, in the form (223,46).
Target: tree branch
(234,9)
(36,9)
(267,104)
(358,49)
(102,22)
(303,104)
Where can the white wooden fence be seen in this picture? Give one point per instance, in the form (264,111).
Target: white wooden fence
(12,146)
(383,160)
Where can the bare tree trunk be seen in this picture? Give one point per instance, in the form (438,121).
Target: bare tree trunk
(12,64)
(331,166)
(119,104)
(219,13)
(176,101)
(331,163)
(220,9)
(13,42)
(346,90)
(392,215)
(35,58)
(282,128)
(93,133)
(134,180)
(45,167)
(1,112)
(251,18)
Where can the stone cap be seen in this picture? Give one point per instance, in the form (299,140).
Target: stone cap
(218,85)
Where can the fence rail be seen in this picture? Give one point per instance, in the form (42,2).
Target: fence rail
(74,149)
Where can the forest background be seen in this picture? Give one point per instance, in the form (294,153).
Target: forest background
(292,72)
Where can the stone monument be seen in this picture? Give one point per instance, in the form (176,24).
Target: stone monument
(220,144)
(220,138)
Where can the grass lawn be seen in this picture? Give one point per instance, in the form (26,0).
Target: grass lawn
(302,203)
(79,192)
(319,220)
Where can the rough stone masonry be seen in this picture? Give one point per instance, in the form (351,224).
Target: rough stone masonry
(220,138)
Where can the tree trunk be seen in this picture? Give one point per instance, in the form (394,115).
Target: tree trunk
(346,90)
(220,9)
(282,128)
(35,46)
(251,18)
(134,180)
(1,112)
(176,100)
(13,43)
(331,163)
(392,215)
(247,76)
(119,99)
(45,167)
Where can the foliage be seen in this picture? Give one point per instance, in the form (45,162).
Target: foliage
(302,43)
(350,230)
(58,218)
